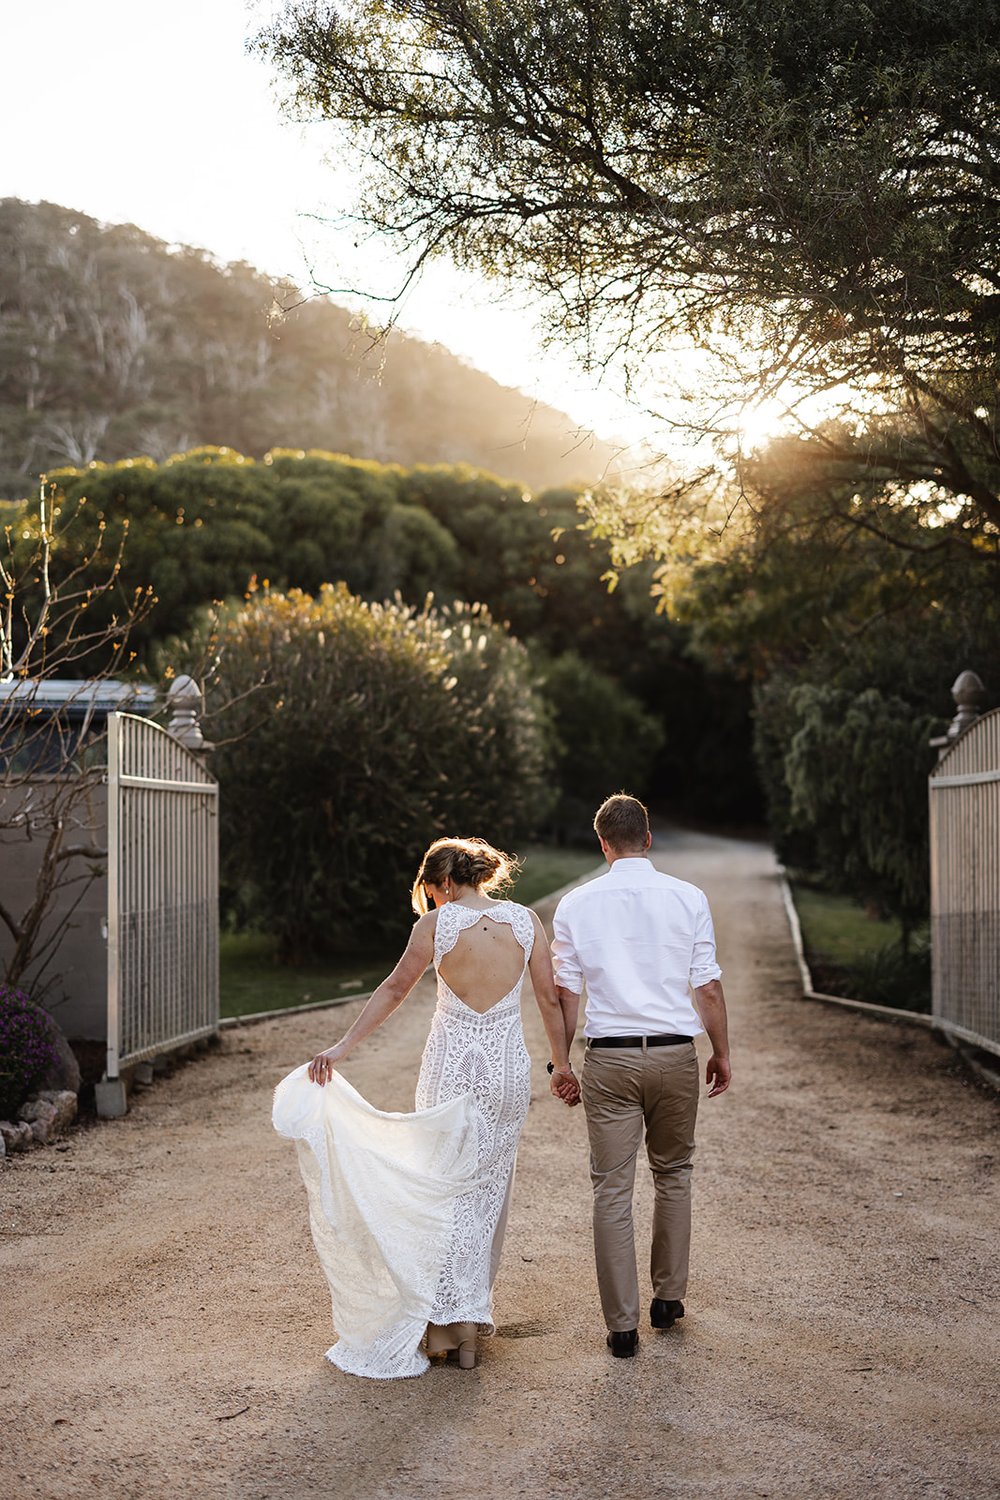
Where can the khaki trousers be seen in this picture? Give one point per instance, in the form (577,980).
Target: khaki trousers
(626,1090)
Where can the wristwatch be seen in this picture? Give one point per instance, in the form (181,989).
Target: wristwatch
(549,1068)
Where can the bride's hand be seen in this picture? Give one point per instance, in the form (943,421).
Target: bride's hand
(321,1067)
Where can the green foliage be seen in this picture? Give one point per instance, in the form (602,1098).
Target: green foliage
(28,1048)
(856,771)
(827,570)
(111,344)
(531,560)
(203,524)
(198,529)
(377,729)
(605,741)
(534,562)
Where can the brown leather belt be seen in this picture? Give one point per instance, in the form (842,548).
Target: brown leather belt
(637,1041)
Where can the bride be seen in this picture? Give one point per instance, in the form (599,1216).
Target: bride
(408,1211)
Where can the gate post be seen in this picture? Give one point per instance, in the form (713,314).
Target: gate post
(968,693)
(109,1094)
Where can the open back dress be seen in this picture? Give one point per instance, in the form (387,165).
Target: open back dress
(408,1211)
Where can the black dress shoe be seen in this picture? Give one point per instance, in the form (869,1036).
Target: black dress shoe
(665,1314)
(624,1345)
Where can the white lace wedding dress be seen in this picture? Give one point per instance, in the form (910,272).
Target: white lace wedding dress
(408,1211)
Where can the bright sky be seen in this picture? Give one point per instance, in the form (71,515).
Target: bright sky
(155,115)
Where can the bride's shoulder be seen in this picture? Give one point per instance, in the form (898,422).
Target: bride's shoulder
(425,925)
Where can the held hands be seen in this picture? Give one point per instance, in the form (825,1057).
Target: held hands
(717,1075)
(321,1067)
(564,1085)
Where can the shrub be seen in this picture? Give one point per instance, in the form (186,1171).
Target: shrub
(377,728)
(28,1048)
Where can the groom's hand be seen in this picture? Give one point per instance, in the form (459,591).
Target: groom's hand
(717,1075)
(565,1086)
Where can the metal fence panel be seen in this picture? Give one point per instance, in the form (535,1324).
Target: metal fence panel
(163,911)
(965,885)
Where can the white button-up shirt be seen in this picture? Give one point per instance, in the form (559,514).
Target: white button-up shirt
(640,940)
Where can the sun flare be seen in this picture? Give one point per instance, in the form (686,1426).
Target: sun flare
(762,421)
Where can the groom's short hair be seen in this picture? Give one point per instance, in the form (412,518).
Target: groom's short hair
(622,822)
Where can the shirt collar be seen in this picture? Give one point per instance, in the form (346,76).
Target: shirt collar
(632,869)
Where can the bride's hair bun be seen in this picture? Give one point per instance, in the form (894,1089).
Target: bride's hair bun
(471,862)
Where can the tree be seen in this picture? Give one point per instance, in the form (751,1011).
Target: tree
(809,190)
(849,630)
(854,590)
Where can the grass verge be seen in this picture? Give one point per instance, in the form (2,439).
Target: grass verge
(252,979)
(860,956)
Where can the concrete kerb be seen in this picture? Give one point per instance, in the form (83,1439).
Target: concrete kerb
(887,1012)
(226,1022)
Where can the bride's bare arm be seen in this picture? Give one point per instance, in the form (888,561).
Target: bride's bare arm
(544,984)
(382,1002)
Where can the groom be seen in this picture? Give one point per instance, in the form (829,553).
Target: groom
(644,945)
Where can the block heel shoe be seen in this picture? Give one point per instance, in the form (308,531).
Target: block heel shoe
(450,1338)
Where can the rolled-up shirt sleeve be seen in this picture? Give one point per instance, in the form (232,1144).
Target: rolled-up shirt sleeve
(569,975)
(704,967)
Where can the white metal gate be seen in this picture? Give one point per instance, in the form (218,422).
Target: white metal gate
(163,906)
(965,885)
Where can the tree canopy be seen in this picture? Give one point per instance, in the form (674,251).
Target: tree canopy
(809,189)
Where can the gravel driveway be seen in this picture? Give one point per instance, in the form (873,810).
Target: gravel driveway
(164,1317)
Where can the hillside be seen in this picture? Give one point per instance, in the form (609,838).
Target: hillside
(113,344)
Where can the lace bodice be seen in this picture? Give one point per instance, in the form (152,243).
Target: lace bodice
(453,919)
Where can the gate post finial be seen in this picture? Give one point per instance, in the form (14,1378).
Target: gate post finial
(969,694)
(185,701)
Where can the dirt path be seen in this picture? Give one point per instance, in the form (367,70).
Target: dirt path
(164,1318)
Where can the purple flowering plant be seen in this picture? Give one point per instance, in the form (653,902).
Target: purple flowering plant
(28,1048)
